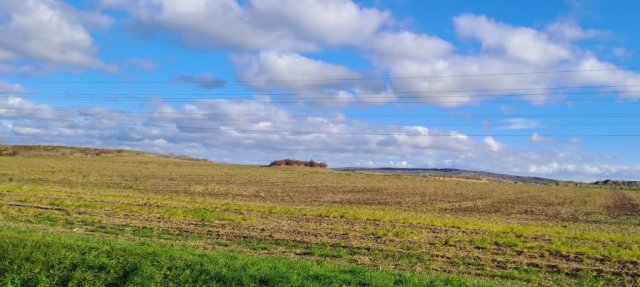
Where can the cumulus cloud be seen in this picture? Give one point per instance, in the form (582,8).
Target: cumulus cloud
(439,75)
(268,36)
(258,131)
(407,46)
(312,80)
(519,124)
(602,171)
(9,88)
(214,124)
(570,31)
(291,25)
(519,43)
(48,33)
(538,138)
(13,107)
(492,144)
(535,137)
(269,70)
(205,81)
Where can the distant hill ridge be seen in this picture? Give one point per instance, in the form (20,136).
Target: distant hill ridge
(52,150)
(15,150)
(458,173)
(490,176)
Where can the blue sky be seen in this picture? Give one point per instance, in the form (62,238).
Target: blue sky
(542,88)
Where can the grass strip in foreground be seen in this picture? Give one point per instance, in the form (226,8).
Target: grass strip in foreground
(32,258)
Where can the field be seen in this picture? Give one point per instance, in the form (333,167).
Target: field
(104,217)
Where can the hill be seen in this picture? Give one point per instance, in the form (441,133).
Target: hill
(457,173)
(68,217)
(67,151)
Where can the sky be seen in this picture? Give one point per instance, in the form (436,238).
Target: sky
(535,88)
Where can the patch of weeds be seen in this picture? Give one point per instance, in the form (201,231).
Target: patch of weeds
(379,233)
(530,272)
(260,246)
(206,215)
(144,232)
(470,262)
(409,246)
(392,232)
(448,240)
(48,219)
(482,242)
(508,242)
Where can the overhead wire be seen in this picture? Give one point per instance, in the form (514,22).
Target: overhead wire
(513,73)
(370,124)
(257,113)
(377,116)
(254,131)
(302,93)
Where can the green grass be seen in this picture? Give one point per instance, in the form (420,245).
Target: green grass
(130,207)
(29,258)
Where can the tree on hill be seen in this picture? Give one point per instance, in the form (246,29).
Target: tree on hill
(293,162)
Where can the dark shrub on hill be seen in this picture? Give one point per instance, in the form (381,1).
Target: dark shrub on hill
(293,162)
(6,150)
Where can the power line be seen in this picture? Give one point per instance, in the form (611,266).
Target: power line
(423,92)
(553,115)
(453,134)
(432,98)
(357,100)
(433,124)
(337,79)
(146,95)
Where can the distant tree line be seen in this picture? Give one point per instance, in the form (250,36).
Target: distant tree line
(293,162)
(7,150)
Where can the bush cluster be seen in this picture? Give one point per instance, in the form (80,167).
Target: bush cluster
(293,162)
(6,150)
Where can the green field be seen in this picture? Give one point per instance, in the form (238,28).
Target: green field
(110,218)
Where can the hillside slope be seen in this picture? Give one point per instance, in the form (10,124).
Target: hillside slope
(457,173)
(143,219)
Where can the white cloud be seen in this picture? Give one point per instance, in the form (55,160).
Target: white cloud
(407,46)
(256,132)
(26,131)
(269,38)
(291,25)
(507,52)
(12,107)
(205,81)
(310,80)
(595,172)
(536,137)
(268,70)
(48,32)
(492,144)
(334,22)
(519,124)
(571,31)
(375,94)
(9,88)
(221,125)
(520,43)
